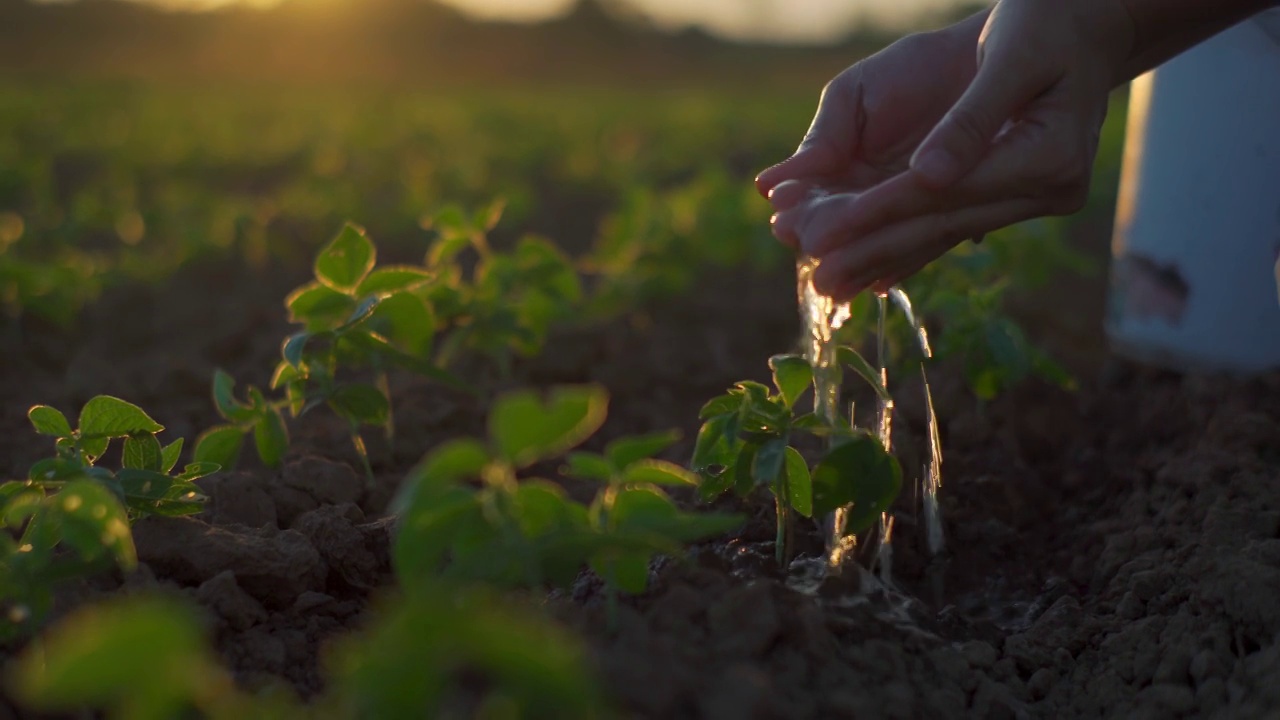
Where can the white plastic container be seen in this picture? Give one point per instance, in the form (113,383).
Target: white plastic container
(1196,249)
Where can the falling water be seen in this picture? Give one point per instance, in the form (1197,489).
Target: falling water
(884,428)
(931,479)
(821,317)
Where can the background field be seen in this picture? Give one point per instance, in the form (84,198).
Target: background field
(165,181)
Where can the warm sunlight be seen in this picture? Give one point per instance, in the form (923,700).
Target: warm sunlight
(776,20)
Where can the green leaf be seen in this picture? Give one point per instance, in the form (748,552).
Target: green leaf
(317,305)
(624,451)
(197,470)
(525,429)
(293,346)
(224,399)
(54,469)
(446,248)
(455,459)
(799,484)
(92,521)
(285,374)
(859,473)
(717,443)
(271,437)
(728,403)
(713,485)
(394,279)
(792,375)
(21,501)
(107,656)
(49,421)
(743,470)
(346,260)
(769,463)
(851,358)
(362,312)
(94,448)
(170,454)
(659,472)
(542,507)
(143,452)
(220,444)
(589,466)
(145,485)
(755,393)
(646,510)
(106,417)
(431,521)
(361,403)
(405,319)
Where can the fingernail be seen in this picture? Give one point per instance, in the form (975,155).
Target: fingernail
(937,166)
(780,234)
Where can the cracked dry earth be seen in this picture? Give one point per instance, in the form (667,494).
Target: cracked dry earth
(1113,552)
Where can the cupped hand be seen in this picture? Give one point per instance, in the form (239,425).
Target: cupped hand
(873,115)
(1018,143)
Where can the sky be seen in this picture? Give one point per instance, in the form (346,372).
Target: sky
(777,20)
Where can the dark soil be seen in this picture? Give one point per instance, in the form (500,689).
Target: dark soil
(1111,553)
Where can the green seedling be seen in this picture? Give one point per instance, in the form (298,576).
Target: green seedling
(71,516)
(256,415)
(509,302)
(466,514)
(747,442)
(420,657)
(355,318)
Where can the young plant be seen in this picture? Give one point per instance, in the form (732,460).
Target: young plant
(515,531)
(450,652)
(71,516)
(511,299)
(747,442)
(355,318)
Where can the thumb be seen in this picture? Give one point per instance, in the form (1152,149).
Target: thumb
(810,161)
(963,136)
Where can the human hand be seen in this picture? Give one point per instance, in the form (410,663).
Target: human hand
(1018,143)
(873,115)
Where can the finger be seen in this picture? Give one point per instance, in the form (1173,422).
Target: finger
(813,161)
(1004,85)
(829,143)
(1013,169)
(792,225)
(790,193)
(901,247)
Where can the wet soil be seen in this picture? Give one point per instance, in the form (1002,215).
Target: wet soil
(1113,552)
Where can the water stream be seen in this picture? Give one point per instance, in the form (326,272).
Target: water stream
(821,318)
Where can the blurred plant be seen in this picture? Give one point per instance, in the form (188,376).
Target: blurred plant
(965,297)
(71,516)
(143,658)
(747,442)
(508,302)
(513,531)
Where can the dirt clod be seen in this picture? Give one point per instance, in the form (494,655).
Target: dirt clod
(273,566)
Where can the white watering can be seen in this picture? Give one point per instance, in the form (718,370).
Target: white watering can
(1196,249)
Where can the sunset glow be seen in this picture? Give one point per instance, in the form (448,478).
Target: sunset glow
(775,20)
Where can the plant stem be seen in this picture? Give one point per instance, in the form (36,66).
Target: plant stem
(363,452)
